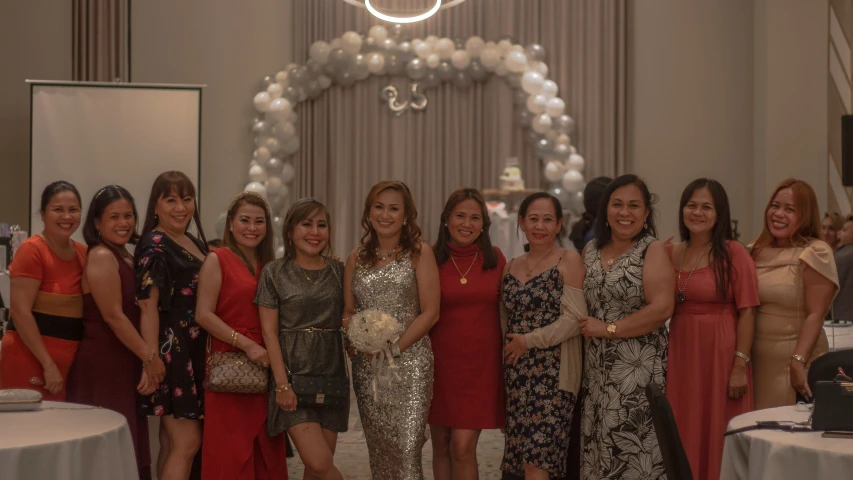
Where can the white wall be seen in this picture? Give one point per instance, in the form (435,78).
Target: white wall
(229,46)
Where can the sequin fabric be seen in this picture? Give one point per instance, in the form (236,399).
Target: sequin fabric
(394,423)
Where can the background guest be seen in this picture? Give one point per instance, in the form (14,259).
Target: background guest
(42,338)
(831,228)
(236,445)
(710,335)
(584,229)
(168,259)
(797,281)
(468,393)
(544,303)
(628,289)
(301,303)
(112,347)
(842,306)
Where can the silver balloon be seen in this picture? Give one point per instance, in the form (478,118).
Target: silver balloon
(273,166)
(300,77)
(564,124)
(416,69)
(533,137)
(346,79)
(535,52)
(543,147)
(444,70)
(276,201)
(360,68)
(562,195)
(462,80)
(576,203)
(302,92)
(314,68)
(291,95)
(393,64)
(314,89)
(431,80)
(339,60)
(520,98)
(397,32)
(514,80)
(459,43)
(477,71)
(277,223)
(266,82)
(524,117)
(261,127)
(390,95)
(369,45)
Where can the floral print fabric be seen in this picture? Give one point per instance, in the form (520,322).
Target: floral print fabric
(617,435)
(162,263)
(538,413)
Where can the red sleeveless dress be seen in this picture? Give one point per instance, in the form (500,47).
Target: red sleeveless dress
(235,444)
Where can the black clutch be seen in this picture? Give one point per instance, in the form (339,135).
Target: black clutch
(833,405)
(314,391)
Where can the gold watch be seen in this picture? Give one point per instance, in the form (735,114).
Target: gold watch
(611,330)
(282,388)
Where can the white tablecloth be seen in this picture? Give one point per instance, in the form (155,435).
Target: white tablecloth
(778,455)
(64,441)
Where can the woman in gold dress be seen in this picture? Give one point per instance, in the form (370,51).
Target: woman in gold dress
(797,281)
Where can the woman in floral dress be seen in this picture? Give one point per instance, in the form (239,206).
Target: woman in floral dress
(628,288)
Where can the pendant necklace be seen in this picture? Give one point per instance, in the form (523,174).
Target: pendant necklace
(305,272)
(383,256)
(527,261)
(681,297)
(464,280)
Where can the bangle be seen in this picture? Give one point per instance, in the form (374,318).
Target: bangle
(282,388)
(799,358)
(395,349)
(150,359)
(234,335)
(743,356)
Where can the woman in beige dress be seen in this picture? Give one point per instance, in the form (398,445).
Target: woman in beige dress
(797,281)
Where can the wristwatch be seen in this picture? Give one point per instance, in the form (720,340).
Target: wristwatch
(611,330)
(282,388)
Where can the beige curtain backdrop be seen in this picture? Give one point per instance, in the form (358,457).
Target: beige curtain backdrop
(351,141)
(99,40)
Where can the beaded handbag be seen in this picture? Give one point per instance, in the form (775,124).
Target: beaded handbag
(233,372)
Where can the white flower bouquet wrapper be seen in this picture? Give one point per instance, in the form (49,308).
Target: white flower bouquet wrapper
(374,331)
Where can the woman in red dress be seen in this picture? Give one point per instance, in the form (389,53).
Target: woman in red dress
(468,390)
(711,330)
(42,338)
(104,373)
(236,445)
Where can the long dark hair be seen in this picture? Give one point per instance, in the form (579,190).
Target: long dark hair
(558,213)
(265,251)
(592,195)
(103,199)
(164,185)
(410,236)
(603,234)
(57,187)
(721,234)
(484,242)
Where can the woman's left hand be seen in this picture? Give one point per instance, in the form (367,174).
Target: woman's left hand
(738,385)
(515,348)
(592,327)
(799,379)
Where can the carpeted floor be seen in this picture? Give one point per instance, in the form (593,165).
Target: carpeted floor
(351,455)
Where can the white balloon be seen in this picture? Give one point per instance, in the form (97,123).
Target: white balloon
(542,68)
(404,47)
(281,77)
(288,172)
(257,187)
(376,63)
(563,139)
(336,43)
(573,181)
(423,50)
(516,61)
(575,162)
(541,124)
(351,42)
(325,82)
(536,104)
(257,173)
(460,59)
(279,109)
(284,131)
(275,90)
(549,88)
(319,52)
(291,147)
(444,48)
(279,252)
(504,46)
(555,107)
(474,46)
(262,101)
(273,184)
(490,58)
(433,60)
(262,154)
(554,171)
(431,40)
(531,82)
(501,70)
(516,48)
(272,144)
(389,44)
(378,32)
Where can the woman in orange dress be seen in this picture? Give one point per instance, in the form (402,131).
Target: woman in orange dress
(710,334)
(236,445)
(47,300)
(797,281)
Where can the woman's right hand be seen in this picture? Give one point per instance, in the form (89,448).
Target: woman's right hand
(156,370)
(52,379)
(258,355)
(146,386)
(286,400)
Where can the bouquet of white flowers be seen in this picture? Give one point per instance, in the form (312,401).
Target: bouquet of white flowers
(374,332)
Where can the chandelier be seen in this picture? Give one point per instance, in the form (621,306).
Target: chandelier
(404,17)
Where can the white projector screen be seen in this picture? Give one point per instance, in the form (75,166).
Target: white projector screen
(98,134)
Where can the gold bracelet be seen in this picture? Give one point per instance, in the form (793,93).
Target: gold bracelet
(799,358)
(743,356)
(150,359)
(234,338)
(282,388)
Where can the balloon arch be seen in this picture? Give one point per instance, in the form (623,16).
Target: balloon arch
(427,63)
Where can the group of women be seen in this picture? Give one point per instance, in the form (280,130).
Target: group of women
(487,343)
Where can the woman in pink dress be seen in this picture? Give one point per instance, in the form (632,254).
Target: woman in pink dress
(711,330)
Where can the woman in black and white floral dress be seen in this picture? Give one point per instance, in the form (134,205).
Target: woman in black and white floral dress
(628,289)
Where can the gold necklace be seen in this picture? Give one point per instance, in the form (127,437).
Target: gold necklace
(527,261)
(305,272)
(613,257)
(681,297)
(464,280)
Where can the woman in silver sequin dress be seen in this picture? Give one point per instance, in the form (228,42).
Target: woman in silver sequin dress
(395,272)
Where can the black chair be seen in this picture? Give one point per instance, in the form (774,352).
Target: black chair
(826,366)
(674,458)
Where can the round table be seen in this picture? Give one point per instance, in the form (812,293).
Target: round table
(66,441)
(779,455)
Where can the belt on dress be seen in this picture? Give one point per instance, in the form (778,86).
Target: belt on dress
(311,330)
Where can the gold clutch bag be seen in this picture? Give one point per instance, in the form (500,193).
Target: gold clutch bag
(233,372)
